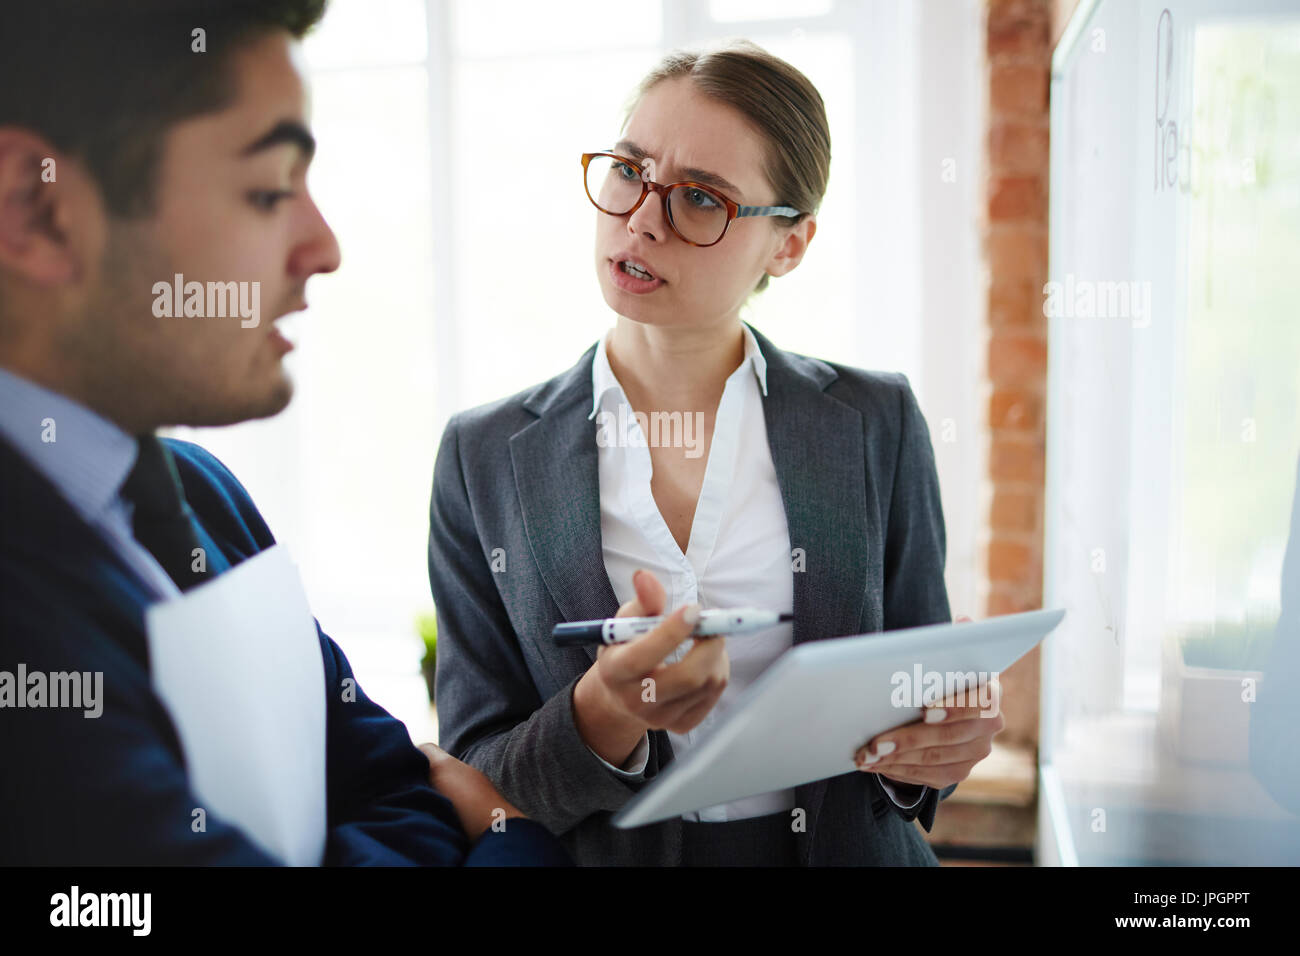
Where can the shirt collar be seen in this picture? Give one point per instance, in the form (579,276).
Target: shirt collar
(89,457)
(603,380)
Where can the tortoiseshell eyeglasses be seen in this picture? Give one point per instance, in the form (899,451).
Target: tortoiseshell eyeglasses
(698,214)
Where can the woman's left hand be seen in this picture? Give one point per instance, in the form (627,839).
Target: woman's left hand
(943,747)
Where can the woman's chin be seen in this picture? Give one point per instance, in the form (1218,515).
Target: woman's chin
(629,306)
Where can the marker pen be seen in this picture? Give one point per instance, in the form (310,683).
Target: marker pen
(620,630)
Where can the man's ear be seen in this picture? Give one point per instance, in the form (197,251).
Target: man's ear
(44,202)
(790,252)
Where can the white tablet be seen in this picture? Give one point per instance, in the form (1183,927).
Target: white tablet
(806,716)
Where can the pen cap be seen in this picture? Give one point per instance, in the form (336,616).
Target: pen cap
(573,635)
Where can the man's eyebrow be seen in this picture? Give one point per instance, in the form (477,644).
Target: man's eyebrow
(285,131)
(632,151)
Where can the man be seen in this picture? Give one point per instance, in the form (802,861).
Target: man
(141,141)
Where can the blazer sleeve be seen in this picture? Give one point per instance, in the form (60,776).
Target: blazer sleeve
(915,553)
(490,713)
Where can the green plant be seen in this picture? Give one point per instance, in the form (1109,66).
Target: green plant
(426,624)
(1230,645)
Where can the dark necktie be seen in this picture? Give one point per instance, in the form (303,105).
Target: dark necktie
(162,520)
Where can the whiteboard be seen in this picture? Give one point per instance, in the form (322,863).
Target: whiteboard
(1173,428)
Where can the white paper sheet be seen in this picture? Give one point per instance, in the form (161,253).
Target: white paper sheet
(237,662)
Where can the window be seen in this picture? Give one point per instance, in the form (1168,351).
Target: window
(452,294)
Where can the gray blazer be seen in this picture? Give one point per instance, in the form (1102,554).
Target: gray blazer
(515,547)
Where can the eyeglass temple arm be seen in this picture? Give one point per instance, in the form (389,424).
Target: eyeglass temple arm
(743,211)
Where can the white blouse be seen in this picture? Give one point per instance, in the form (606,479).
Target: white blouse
(739,550)
(738,554)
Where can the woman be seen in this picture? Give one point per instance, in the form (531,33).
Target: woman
(685,461)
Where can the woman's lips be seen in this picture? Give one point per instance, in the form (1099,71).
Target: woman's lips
(630,283)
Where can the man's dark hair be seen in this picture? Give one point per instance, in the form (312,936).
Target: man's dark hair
(103,80)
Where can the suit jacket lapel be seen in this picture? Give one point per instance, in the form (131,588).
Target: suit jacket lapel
(37,523)
(818,452)
(557,479)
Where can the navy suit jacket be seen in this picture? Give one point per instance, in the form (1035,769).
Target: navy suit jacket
(114,789)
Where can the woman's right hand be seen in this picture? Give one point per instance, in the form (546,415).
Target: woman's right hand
(629,689)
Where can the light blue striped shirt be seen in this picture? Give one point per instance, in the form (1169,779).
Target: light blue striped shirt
(87,458)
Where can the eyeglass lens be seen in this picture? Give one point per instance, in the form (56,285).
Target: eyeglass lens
(697,214)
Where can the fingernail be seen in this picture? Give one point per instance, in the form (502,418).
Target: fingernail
(934,715)
(692,614)
(868,760)
(885,747)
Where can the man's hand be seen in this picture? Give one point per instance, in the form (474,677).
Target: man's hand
(941,748)
(629,690)
(477,802)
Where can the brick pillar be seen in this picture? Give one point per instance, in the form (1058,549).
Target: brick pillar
(1018,41)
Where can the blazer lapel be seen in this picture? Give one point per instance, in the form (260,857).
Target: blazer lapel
(819,455)
(557,479)
(37,523)
(818,452)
